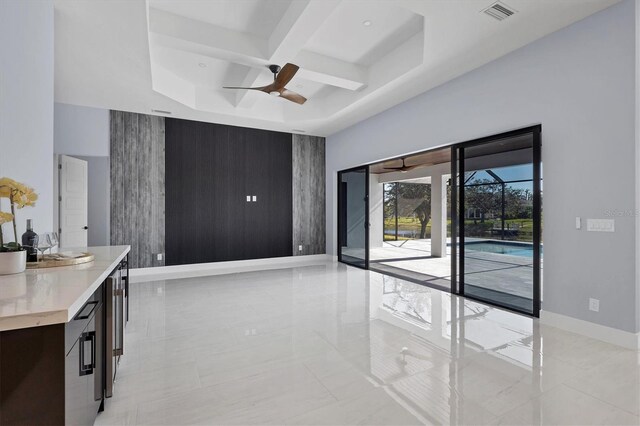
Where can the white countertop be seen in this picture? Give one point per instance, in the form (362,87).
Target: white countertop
(47,296)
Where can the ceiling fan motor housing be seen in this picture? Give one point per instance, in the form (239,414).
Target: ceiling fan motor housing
(274,68)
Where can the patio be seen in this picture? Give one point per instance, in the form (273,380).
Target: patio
(497,277)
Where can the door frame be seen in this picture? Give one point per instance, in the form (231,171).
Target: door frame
(367,225)
(457,230)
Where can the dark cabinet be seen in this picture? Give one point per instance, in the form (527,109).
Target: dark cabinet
(55,374)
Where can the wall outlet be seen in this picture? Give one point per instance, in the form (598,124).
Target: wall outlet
(578,222)
(601,225)
(594,305)
(299,248)
(159,256)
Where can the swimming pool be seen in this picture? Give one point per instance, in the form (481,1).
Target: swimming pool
(502,247)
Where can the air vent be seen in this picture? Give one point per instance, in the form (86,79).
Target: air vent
(499,11)
(159,111)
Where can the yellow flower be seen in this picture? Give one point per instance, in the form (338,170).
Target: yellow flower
(25,197)
(5,217)
(21,195)
(7,186)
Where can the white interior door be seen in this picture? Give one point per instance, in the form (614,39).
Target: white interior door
(74,196)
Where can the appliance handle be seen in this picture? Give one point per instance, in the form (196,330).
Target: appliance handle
(120,296)
(81,315)
(87,369)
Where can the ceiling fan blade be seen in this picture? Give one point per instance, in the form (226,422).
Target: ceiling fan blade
(285,75)
(243,88)
(293,96)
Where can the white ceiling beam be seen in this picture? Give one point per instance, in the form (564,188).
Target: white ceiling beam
(331,71)
(299,23)
(179,32)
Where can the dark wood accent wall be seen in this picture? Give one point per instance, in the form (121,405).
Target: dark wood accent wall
(137,185)
(309,212)
(210,170)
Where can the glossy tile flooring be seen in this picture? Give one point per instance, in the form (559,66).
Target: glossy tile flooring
(330,344)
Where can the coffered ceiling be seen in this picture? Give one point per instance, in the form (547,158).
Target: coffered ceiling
(356,57)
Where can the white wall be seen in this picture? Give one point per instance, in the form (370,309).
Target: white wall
(26,104)
(81,130)
(579,83)
(637,192)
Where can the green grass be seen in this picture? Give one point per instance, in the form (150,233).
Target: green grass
(483,230)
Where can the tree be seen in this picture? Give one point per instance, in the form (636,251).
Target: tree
(413,199)
(485,196)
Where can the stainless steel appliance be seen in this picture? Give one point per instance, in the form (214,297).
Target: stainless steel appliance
(115,298)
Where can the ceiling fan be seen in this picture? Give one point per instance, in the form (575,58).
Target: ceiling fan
(404,168)
(281,76)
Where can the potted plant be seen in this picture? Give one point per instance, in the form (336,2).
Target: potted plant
(13,257)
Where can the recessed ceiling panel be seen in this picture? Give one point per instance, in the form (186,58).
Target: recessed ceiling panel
(200,70)
(361,32)
(257,17)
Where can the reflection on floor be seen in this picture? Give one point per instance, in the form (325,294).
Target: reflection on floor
(498,277)
(331,344)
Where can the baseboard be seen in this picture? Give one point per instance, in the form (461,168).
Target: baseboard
(614,336)
(222,268)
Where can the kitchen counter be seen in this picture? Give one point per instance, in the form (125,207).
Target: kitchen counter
(39,297)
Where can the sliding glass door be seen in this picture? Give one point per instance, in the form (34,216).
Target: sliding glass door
(499,220)
(493,198)
(353,217)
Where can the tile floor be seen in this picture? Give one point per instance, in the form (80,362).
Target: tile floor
(330,344)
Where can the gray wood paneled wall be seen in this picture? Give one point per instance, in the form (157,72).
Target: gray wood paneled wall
(138,185)
(309,215)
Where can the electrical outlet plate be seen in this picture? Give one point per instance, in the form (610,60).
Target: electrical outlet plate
(594,305)
(299,248)
(159,256)
(601,225)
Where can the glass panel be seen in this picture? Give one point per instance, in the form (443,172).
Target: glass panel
(498,223)
(353,217)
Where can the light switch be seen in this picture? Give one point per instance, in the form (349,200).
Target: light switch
(255,198)
(248,198)
(578,222)
(601,225)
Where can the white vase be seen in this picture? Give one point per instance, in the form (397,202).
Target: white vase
(13,262)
